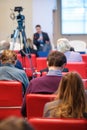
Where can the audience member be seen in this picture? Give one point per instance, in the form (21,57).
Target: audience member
(72,48)
(30,48)
(5,45)
(15,123)
(46,70)
(64,46)
(70,101)
(47,84)
(41,40)
(8,71)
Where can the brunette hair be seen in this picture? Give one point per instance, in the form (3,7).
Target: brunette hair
(38,25)
(56,58)
(72,97)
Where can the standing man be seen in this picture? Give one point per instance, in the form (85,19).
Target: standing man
(41,40)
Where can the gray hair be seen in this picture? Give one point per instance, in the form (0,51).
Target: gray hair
(63,45)
(4,45)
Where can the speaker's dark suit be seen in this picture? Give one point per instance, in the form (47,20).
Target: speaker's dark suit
(45,38)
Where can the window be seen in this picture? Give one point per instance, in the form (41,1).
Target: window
(74,16)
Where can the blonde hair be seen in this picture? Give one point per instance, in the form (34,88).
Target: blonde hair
(8,56)
(63,45)
(72,96)
(29,43)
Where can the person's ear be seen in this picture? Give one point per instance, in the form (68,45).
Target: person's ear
(63,66)
(47,63)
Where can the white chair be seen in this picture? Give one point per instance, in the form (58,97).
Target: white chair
(79,46)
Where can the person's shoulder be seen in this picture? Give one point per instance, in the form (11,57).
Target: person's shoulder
(75,53)
(45,33)
(38,79)
(52,103)
(35,33)
(49,105)
(21,71)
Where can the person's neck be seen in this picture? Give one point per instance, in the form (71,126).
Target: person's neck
(55,68)
(40,32)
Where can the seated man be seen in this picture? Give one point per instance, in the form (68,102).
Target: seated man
(8,71)
(41,40)
(47,84)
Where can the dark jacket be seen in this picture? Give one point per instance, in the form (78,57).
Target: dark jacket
(36,36)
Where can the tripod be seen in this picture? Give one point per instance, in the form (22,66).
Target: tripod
(20,33)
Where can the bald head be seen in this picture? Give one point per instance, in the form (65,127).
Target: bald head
(4,45)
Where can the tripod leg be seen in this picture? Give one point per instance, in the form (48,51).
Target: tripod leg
(15,35)
(28,54)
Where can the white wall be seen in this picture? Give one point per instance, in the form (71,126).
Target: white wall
(42,14)
(6,24)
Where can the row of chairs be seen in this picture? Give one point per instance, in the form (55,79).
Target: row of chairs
(11,101)
(35,104)
(36,64)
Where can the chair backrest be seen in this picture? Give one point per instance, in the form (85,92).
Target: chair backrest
(41,63)
(35,104)
(58,124)
(10,98)
(79,46)
(84,57)
(28,63)
(80,67)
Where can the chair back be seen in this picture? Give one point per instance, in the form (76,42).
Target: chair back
(10,98)
(58,124)
(79,46)
(35,104)
(80,67)
(28,63)
(41,63)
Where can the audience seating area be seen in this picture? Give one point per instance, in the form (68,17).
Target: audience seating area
(38,63)
(10,98)
(35,64)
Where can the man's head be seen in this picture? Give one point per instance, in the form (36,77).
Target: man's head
(38,28)
(8,56)
(63,45)
(56,59)
(4,45)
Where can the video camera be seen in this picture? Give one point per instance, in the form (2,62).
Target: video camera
(20,18)
(19,9)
